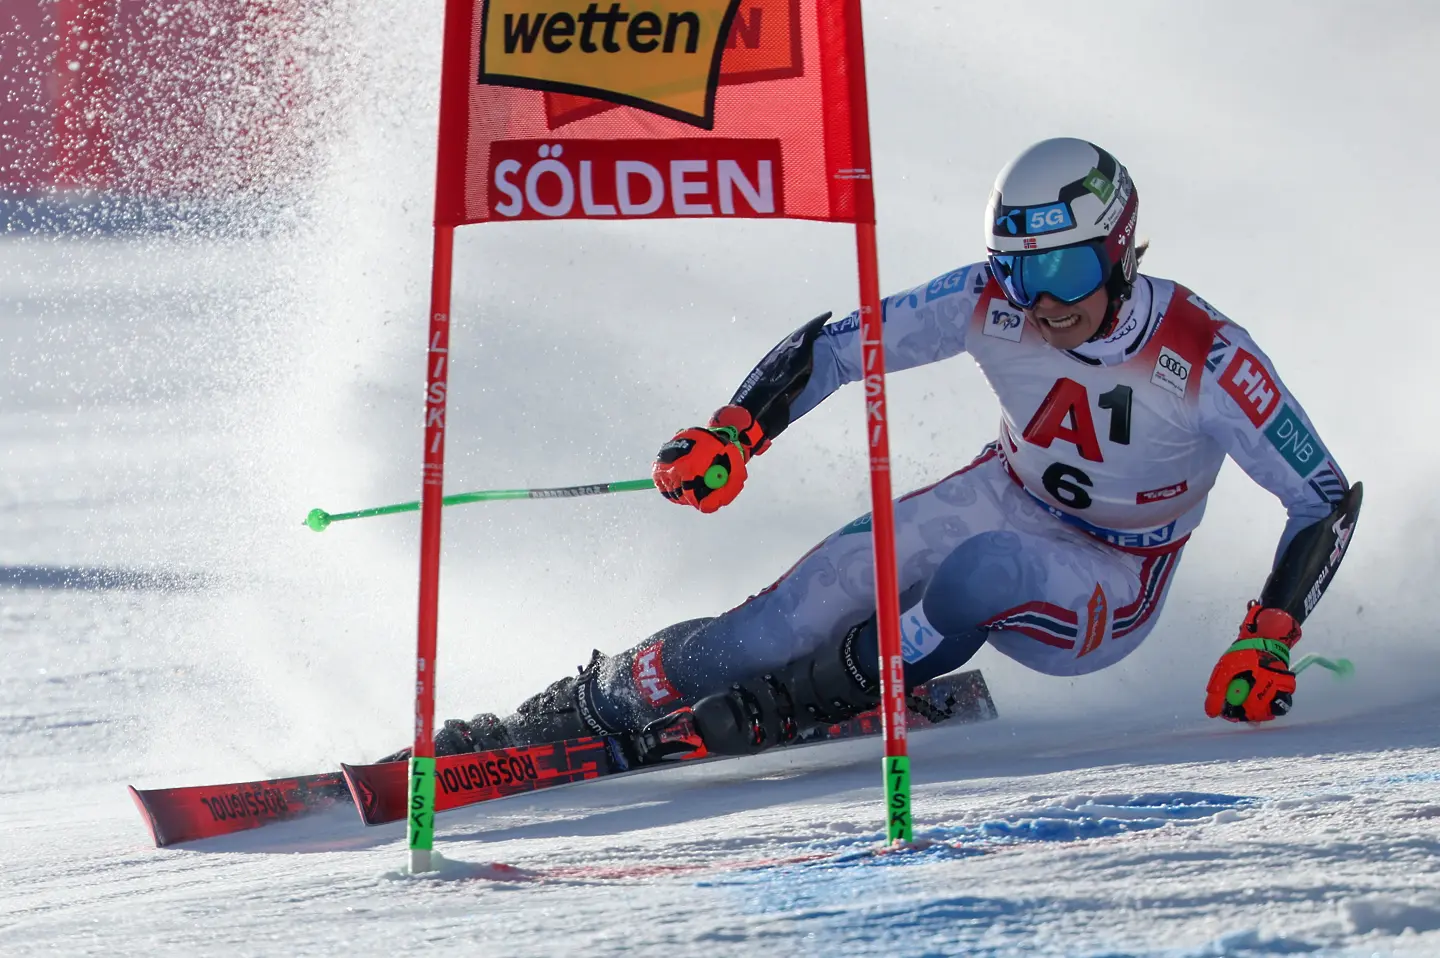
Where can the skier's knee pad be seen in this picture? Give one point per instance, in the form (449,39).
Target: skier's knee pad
(985,575)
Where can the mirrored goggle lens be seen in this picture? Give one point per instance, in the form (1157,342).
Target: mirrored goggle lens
(1069,274)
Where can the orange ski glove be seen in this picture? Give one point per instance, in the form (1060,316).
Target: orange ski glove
(704,467)
(1252,682)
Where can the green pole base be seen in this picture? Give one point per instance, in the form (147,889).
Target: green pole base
(421,826)
(318,519)
(898,824)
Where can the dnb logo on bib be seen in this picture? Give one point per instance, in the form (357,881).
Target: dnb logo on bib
(1296,443)
(663,57)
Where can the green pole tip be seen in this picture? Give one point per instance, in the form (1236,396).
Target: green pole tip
(318,519)
(1344,668)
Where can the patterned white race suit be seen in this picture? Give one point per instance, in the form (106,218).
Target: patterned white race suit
(1056,545)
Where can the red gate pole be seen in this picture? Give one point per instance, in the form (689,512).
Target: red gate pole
(421,827)
(452,136)
(898,825)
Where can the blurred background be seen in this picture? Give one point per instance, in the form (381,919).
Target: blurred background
(214,279)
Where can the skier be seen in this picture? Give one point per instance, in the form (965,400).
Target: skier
(1120,396)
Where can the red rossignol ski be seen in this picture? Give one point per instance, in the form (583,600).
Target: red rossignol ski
(379,791)
(205,811)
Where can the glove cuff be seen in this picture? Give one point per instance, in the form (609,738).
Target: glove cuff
(1274,647)
(1262,622)
(744,429)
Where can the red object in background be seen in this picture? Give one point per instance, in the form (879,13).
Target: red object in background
(202,99)
(81,151)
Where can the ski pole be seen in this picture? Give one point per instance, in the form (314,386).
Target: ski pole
(1343,668)
(319,519)
(1240,686)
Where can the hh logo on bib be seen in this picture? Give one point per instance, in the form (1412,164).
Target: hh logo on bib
(1249,384)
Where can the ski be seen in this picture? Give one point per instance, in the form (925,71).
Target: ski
(204,811)
(380,790)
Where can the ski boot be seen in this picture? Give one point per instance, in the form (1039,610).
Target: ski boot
(670,738)
(459,737)
(564,710)
(823,688)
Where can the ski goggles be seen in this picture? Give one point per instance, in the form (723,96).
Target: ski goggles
(1069,273)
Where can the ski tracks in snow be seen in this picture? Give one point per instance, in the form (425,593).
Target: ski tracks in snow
(1092,839)
(1312,862)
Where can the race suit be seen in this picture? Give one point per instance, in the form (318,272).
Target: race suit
(1059,542)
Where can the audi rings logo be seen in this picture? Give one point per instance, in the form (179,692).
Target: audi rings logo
(1177,366)
(1172,372)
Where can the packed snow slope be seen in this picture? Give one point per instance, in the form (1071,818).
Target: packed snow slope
(170,408)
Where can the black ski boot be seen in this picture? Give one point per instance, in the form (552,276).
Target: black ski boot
(562,711)
(459,737)
(824,688)
(670,738)
(481,734)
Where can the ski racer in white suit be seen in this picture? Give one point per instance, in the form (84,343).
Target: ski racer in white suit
(1120,397)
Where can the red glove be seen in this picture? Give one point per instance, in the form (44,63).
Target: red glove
(1252,682)
(704,467)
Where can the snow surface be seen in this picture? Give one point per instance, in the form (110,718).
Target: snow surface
(171,407)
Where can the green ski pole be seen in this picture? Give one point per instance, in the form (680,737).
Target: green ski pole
(1343,668)
(319,519)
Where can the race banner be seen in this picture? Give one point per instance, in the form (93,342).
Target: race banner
(647,109)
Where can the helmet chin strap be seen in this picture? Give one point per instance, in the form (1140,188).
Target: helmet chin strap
(1119,292)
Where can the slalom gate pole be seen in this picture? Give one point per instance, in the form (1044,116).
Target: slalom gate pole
(319,519)
(452,135)
(898,822)
(420,829)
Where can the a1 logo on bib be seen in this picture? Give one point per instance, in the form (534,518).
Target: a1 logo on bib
(1003,320)
(1171,373)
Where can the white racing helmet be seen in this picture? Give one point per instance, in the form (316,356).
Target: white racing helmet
(1061,220)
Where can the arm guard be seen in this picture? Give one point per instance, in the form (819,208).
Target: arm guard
(778,378)
(1308,564)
